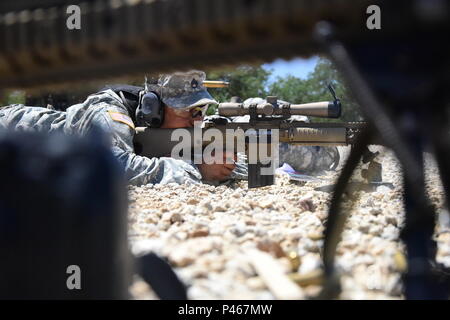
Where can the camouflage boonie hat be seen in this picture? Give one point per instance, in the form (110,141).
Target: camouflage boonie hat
(182,90)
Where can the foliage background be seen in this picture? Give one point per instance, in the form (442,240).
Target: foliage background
(252,81)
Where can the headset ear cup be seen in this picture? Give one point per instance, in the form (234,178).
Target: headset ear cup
(150,112)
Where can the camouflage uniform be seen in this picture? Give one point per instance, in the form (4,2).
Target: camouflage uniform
(107,111)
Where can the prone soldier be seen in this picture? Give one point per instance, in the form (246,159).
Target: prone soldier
(173,101)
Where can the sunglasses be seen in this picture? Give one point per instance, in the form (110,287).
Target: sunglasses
(195,112)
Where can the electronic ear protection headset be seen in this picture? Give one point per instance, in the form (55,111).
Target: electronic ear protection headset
(150,110)
(144,106)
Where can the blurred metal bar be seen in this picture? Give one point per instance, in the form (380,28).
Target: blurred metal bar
(129,37)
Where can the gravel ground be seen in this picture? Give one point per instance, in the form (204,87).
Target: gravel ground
(231,242)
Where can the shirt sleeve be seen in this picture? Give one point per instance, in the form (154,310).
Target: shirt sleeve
(141,170)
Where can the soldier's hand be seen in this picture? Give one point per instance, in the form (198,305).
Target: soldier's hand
(218,171)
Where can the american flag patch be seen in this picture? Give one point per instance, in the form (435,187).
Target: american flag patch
(120,117)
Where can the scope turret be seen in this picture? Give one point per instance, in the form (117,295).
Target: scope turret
(323,109)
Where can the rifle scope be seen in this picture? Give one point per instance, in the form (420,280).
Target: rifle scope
(323,109)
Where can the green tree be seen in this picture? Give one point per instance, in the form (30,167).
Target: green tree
(315,88)
(325,73)
(245,82)
(12,97)
(290,88)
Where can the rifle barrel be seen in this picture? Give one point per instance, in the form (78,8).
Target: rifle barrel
(315,136)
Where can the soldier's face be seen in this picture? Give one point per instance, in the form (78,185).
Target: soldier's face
(176,119)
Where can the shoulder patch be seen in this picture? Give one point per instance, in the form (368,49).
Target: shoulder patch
(120,117)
